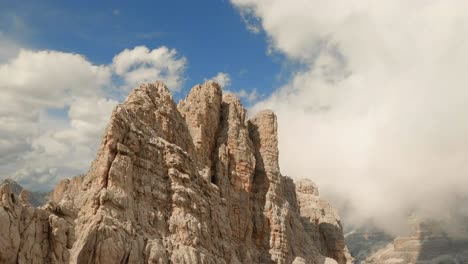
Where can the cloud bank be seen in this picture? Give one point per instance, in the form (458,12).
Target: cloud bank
(378,115)
(54,107)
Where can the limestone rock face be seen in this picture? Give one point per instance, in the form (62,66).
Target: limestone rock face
(193,183)
(24,230)
(34,198)
(320,219)
(201,111)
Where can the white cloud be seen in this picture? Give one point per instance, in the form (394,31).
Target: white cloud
(250,97)
(222,78)
(51,78)
(35,81)
(39,179)
(141,64)
(69,147)
(54,107)
(378,118)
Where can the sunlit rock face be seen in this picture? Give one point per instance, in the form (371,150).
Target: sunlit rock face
(196,182)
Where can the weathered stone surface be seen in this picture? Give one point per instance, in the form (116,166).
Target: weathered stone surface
(327,222)
(67,189)
(34,198)
(193,183)
(201,111)
(23,230)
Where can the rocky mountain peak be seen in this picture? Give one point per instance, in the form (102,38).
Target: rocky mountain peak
(31,198)
(196,182)
(307,186)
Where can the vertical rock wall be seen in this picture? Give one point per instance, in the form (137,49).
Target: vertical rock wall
(193,183)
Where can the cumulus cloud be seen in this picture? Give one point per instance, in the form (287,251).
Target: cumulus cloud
(222,78)
(142,64)
(54,107)
(378,116)
(35,81)
(249,97)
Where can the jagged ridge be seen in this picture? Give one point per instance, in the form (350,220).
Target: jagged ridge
(193,183)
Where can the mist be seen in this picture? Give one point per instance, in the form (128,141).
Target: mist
(378,115)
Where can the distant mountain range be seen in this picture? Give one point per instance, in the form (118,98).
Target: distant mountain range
(362,242)
(429,243)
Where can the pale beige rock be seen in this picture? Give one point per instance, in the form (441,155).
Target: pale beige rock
(193,183)
(67,189)
(201,111)
(326,224)
(23,230)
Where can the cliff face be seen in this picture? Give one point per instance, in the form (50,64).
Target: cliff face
(34,198)
(190,183)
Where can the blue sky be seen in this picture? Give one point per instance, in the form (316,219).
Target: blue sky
(210,34)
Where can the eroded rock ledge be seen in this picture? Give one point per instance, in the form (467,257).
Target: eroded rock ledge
(191,183)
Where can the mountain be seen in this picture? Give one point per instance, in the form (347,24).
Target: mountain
(428,243)
(364,241)
(35,198)
(195,182)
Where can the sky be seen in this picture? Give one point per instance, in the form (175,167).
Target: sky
(371,96)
